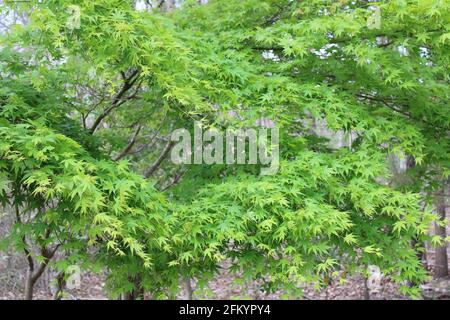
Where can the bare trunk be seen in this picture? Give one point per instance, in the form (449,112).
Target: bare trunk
(366,289)
(134,295)
(29,286)
(416,244)
(137,293)
(60,284)
(126,296)
(188,288)
(441,259)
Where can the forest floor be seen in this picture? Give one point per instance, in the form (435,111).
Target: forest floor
(223,287)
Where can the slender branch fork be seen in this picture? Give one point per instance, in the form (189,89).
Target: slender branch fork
(120,99)
(35,272)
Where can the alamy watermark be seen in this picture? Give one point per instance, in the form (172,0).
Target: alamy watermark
(374,20)
(234,146)
(74,19)
(73,280)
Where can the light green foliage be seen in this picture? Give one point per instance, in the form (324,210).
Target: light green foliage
(321,213)
(66,198)
(73,97)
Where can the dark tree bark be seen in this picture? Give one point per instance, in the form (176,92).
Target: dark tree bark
(188,288)
(415,244)
(441,259)
(138,291)
(60,284)
(148,173)
(33,274)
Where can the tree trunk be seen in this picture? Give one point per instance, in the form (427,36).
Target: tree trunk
(133,295)
(441,259)
(188,287)
(29,286)
(366,288)
(415,244)
(137,293)
(59,286)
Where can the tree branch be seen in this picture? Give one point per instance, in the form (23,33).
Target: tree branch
(25,249)
(118,99)
(160,159)
(397,110)
(130,145)
(175,181)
